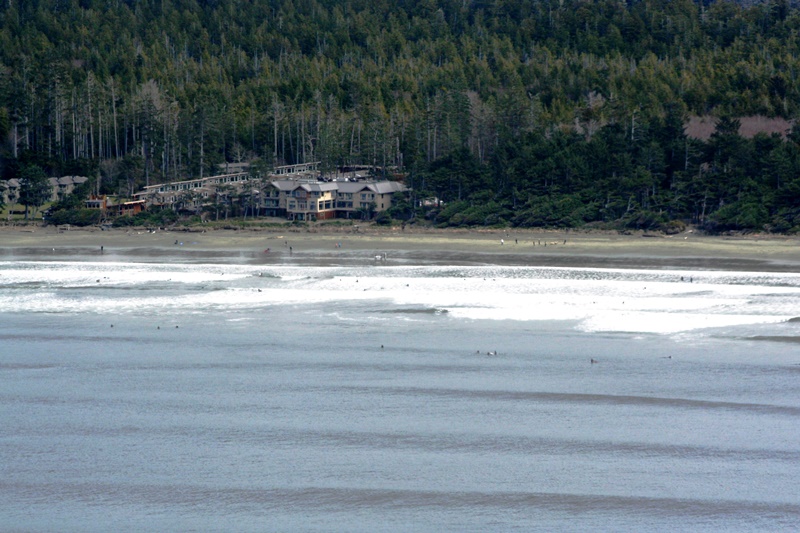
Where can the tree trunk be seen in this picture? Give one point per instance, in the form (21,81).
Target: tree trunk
(114,111)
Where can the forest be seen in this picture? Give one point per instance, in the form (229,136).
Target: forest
(527,113)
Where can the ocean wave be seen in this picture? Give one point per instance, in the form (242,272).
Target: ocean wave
(361,499)
(597,300)
(583,398)
(415,311)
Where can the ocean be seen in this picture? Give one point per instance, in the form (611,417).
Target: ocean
(203,395)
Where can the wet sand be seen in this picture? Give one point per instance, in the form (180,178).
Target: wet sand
(320,246)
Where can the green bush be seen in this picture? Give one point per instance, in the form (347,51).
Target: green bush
(744,215)
(645,219)
(75,217)
(673,227)
(786,220)
(471,213)
(383,219)
(449,210)
(567,211)
(159,218)
(126,221)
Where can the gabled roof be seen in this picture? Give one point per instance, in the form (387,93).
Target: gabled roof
(351,186)
(72,180)
(286,185)
(68,180)
(385,187)
(378,187)
(319,186)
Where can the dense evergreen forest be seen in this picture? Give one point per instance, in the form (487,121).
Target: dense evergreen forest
(518,112)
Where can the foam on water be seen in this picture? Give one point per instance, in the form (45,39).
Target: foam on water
(598,300)
(68,274)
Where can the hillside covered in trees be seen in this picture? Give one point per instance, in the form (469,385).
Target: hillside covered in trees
(518,112)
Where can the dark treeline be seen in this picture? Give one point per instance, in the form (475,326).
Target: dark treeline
(523,112)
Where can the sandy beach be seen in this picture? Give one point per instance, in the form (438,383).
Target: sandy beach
(321,245)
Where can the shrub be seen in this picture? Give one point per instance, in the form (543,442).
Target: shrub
(383,219)
(673,227)
(75,217)
(741,215)
(787,220)
(159,217)
(645,219)
(567,211)
(451,209)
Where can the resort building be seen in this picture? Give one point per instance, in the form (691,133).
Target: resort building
(64,186)
(295,192)
(195,193)
(59,188)
(322,200)
(112,206)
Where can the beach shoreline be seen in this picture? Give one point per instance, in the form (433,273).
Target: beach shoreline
(321,245)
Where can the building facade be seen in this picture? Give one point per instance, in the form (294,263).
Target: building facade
(60,188)
(193,194)
(310,201)
(300,196)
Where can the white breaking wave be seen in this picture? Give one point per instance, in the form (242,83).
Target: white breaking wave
(598,300)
